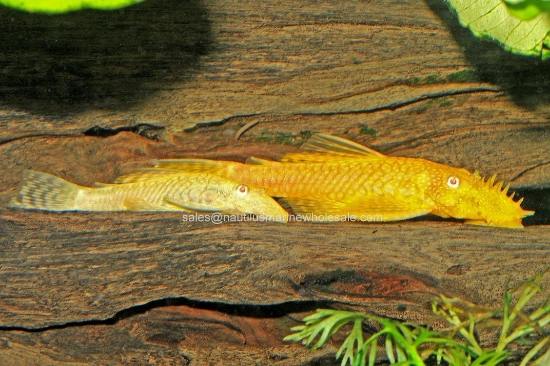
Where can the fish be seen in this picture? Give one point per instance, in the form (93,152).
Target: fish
(163,190)
(331,178)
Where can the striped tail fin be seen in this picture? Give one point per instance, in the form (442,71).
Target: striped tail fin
(42,191)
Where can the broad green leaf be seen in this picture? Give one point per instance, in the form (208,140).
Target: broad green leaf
(527,9)
(491,19)
(64,6)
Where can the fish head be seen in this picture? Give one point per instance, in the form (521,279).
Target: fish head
(461,194)
(213,193)
(242,199)
(251,200)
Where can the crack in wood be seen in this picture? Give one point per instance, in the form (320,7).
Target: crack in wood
(142,129)
(390,106)
(524,171)
(404,103)
(146,130)
(254,311)
(46,135)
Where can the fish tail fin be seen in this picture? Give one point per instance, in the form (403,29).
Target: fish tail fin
(42,191)
(217,167)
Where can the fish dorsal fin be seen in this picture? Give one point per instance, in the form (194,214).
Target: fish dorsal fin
(144,174)
(311,157)
(322,148)
(257,161)
(328,144)
(194,165)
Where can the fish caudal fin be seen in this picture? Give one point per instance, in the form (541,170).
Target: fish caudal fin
(42,191)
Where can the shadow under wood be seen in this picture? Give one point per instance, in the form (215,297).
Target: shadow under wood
(537,200)
(100,59)
(240,310)
(526,79)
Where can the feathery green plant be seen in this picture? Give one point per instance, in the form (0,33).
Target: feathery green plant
(406,343)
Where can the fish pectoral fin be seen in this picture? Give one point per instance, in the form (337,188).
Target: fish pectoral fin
(335,146)
(399,214)
(313,209)
(145,174)
(193,206)
(138,204)
(365,208)
(387,207)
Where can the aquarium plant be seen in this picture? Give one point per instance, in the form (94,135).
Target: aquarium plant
(527,9)
(405,343)
(64,6)
(520,26)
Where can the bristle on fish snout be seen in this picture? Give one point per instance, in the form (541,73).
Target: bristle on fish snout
(497,186)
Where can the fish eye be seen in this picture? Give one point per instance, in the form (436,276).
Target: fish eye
(242,190)
(453,182)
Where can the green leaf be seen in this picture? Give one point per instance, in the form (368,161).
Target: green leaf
(491,19)
(527,9)
(355,337)
(534,351)
(64,6)
(544,359)
(324,323)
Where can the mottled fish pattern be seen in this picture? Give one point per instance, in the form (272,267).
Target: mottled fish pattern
(335,177)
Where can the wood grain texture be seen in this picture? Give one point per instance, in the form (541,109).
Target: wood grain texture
(75,276)
(320,67)
(129,288)
(172,335)
(96,265)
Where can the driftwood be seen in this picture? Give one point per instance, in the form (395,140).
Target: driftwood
(68,271)
(91,95)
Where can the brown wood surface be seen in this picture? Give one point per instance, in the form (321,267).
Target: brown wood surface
(81,271)
(91,95)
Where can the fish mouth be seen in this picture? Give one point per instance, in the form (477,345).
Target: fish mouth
(269,211)
(276,215)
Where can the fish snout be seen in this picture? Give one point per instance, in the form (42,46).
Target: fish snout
(267,209)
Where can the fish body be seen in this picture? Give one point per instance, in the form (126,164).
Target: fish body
(334,178)
(141,191)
